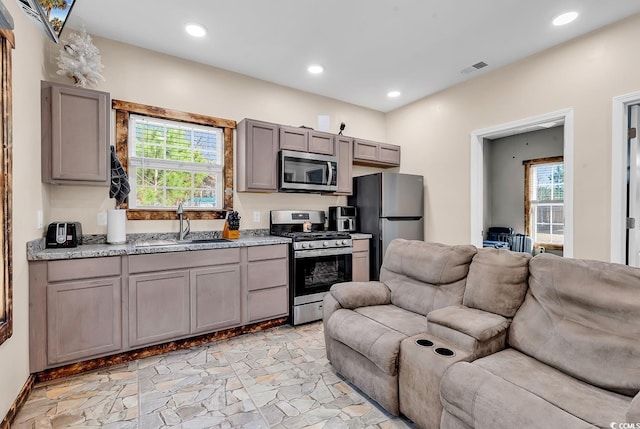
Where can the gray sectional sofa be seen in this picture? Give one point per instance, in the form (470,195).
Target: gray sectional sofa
(459,337)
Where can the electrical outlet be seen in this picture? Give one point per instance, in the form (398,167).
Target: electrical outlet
(102,218)
(256,217)
(40,220)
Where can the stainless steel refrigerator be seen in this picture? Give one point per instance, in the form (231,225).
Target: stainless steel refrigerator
(390,205)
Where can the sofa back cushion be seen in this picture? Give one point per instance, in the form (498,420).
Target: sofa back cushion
(497,281)
(583,318)
(425,276)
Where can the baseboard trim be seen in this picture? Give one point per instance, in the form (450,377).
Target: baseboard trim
(18,403)
(106,361)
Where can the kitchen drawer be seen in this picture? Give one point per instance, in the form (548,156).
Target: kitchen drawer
(180,260)
(266,274)
(260,253)
(76,269)
(268,303)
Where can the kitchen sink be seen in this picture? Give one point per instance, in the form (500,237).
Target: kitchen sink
(207,240)
(164,243)
(155,243)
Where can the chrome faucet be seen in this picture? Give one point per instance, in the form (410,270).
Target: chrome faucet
(183,231)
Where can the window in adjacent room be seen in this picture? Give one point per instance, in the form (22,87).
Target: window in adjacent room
(173,157)
(544,201)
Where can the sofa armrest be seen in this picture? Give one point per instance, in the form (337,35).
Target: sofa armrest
(361,294)
(633,414)
(477,331)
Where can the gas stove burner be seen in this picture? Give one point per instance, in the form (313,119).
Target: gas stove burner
(310,236)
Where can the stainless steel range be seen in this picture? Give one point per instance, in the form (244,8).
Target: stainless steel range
(319,258)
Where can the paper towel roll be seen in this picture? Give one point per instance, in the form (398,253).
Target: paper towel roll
(116,226)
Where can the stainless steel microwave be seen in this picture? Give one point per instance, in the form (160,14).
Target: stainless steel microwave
(307,172)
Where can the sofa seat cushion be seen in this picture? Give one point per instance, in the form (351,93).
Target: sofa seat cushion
(478,324)
(476,398)
(589,403)
(376,332)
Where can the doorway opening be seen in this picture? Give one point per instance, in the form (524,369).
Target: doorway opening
(479,179)
(625,180)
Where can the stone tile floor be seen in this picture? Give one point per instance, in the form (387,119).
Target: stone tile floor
(278,378)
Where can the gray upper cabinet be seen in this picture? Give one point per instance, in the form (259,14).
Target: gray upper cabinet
(321,142)
(75,135)
(257,156)
(344,150)
(374,154)
(306,140)
(294,138)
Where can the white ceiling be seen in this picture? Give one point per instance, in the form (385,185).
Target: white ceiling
(367,47)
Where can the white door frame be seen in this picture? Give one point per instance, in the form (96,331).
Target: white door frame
(619,124)
(477,173)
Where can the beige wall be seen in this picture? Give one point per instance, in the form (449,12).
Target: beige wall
(584,74)
(28,196)
(142,76)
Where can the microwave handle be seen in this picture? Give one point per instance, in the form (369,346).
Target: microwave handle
(330,178)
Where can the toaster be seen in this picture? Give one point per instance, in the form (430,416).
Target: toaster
(64,234)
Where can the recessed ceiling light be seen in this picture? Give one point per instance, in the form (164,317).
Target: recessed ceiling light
(393,94)
(565,18)
(195,30)
(315,69)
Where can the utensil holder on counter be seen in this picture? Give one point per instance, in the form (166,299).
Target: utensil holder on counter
(230,233)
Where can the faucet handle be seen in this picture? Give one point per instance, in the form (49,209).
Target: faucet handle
(180,209)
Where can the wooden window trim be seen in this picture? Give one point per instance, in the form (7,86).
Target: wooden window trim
(125,108)
(6,183)
(527,204)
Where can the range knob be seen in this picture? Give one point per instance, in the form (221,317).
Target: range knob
(345,242)
(325,244)
(304,245)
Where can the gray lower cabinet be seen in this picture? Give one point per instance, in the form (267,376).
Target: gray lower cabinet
(87,308)
(75,310)
(268,280)
(215,298)
(83,319)
(158,307)
(360,260)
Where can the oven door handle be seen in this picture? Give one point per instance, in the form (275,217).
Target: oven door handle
(314,253)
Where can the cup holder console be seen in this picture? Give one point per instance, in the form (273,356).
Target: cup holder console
(442,351)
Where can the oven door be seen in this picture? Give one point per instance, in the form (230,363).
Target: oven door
(315,271)
(301,171)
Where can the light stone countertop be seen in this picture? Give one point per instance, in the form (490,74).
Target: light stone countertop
(360,236)
(37,252)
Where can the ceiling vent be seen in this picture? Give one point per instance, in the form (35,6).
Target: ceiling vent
(474,67)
